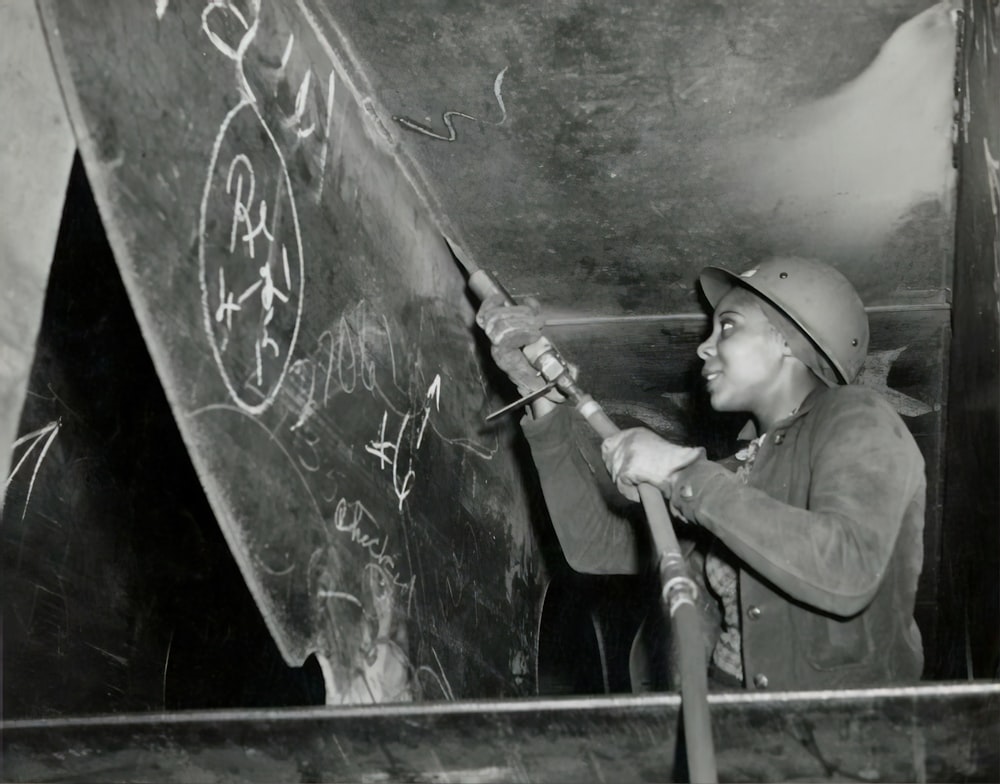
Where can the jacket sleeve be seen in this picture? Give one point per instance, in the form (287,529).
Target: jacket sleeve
(587,512)
(865,470)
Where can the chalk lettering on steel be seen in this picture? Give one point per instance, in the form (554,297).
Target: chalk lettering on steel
(417,127)
(236,55)
(402,484)
(242,331)
(349,517)
(229,317)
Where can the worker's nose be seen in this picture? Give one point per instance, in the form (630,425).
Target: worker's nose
(707,349)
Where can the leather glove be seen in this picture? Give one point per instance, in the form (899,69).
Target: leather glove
(639,456)
(510,328)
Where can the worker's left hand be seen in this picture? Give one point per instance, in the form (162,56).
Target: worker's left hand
(510,328)
(639,456)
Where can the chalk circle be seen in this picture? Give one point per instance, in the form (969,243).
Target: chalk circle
(252,324)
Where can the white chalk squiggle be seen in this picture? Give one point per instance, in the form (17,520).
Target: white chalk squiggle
(412,125)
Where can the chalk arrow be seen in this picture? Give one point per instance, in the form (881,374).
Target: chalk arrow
(48,433)
(433,393)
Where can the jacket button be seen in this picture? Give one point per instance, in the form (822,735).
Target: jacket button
(687,491)
(760,680)
(779,438)
(753,612)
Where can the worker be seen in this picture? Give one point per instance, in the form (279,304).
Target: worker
(814,527)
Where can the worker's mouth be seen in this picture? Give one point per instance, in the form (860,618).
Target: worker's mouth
(710,377)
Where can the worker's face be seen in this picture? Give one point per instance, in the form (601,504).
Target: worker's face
(742,356)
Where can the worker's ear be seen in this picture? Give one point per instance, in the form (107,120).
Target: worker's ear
(779,336)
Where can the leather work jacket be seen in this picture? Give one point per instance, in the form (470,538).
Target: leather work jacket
(826,534)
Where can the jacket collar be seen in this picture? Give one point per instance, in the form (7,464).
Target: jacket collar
(749,431)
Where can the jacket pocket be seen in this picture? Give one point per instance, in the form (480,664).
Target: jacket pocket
(834,644)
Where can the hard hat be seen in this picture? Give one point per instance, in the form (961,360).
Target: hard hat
(818,299)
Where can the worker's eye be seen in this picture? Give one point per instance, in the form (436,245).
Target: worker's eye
(725,325)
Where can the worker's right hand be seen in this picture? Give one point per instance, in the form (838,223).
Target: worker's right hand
(639,456)
(510,328)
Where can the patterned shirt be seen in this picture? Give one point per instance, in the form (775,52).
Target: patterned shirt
(724,582)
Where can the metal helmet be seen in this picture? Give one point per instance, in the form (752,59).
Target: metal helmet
(820,301)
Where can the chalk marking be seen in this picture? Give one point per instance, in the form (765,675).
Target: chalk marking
(341,332)
(329,365)
(236,55)
(120,660)
(337,742)
(241,213)
(380,452)
(451,694)
(412,125)
(497,82)
(161,8)
(358,514)
(310,406)
(312,445)
(378,448)
(442,680)
(288,51)
(357,362)
(369,379)
(264,599)
(300,108)
(49,432)
(479,450)
(392,351)
(227,306)
(433,393)
(241,209)
(166,664)
(286,267)
(331,86)
(249,291)
(692,87)
(343,345)
(294,120)
(347,597)
(274,572)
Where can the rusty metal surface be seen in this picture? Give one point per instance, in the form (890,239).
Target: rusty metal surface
(930,733)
